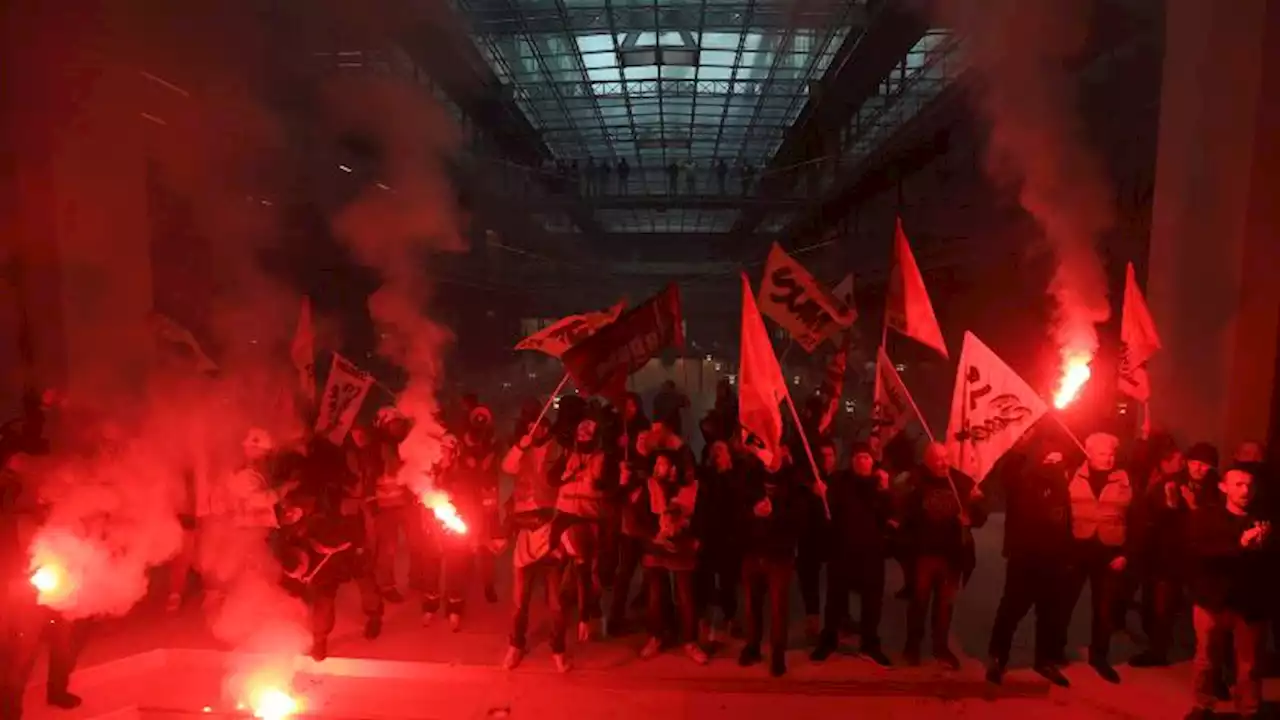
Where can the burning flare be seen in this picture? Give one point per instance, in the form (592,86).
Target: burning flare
(47,579)
(444,511)
(272,703)
(1075,373)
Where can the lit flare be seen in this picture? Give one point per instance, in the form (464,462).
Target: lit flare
(445,511)
(272,703)
(1075,373)
(47,579)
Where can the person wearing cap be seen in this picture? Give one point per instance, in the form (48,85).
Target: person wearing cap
(860,511)
(1103,541)
(1171,498)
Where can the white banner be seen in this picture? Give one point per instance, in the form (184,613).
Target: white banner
(344,393)
(991,407)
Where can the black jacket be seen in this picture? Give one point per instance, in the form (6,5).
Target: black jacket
(1037,514)
(717,521)
(932,518)
(1226,575)
(860,513)
(774,535)
(1166,531)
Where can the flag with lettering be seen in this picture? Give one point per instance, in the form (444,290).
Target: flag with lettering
(843,293)
(601,364)
(179,342)
(908,308)
(344,393)
(991,407)
(761,386)
(791,297)
(1138,340)
(891,407)
(303,351)
(563,334)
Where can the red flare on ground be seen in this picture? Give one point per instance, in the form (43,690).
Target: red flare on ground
(272,703)
(1075,373)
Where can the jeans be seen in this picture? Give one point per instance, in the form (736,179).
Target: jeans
(658,581)
(324,596)
(557,585)
(761,573)
(23,628)
(716,581)
(936,578)
(1213,628)
(630,552)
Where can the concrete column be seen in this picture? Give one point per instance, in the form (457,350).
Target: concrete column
(1214,270)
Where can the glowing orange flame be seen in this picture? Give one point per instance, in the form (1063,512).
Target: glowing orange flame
(46,579)
(444,511)
(272,703)
(1075,374)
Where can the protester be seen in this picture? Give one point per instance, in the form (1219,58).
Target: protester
(1037,546)
(939,514)
(860,513)
(1229,593)
(1101,501)
(717,527)
(770,517)
(580,504)
(814,547)
(667,504)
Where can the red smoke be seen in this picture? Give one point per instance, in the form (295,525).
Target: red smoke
(1024,53)
(399,226)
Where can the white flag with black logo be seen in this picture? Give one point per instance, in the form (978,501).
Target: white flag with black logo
(991,407)
(344,393)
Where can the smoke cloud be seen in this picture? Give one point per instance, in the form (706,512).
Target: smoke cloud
(399,226)
(1024,52)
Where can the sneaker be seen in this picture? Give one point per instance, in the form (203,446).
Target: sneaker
(173,603)
(1052,674)
(586,631)
(372,628)
(430,607)
(1149,659)
(392,595)
(513,658)
(696,654)
(455,622)
(749,656)
(319,649)
(947,659)
(995,673)
(64,700)
(651,649)
(777,664)
(561,662)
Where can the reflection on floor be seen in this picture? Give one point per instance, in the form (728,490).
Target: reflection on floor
(153,665)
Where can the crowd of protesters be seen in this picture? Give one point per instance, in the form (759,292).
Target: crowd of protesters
(606,496)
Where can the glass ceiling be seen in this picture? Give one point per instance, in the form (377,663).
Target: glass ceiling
(661,81)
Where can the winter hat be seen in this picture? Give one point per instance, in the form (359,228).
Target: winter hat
(1203,452)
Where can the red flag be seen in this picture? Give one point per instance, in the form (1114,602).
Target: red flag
(303,351)
(1138,340)
(761,387)
(892,407)
(558,337)
(601,363)
(908,309)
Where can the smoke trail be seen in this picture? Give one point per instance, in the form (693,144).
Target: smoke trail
(1023,53)
(395,227)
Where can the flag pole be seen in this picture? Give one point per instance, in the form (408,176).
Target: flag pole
(1058,419)
(817,476)
(550,401)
